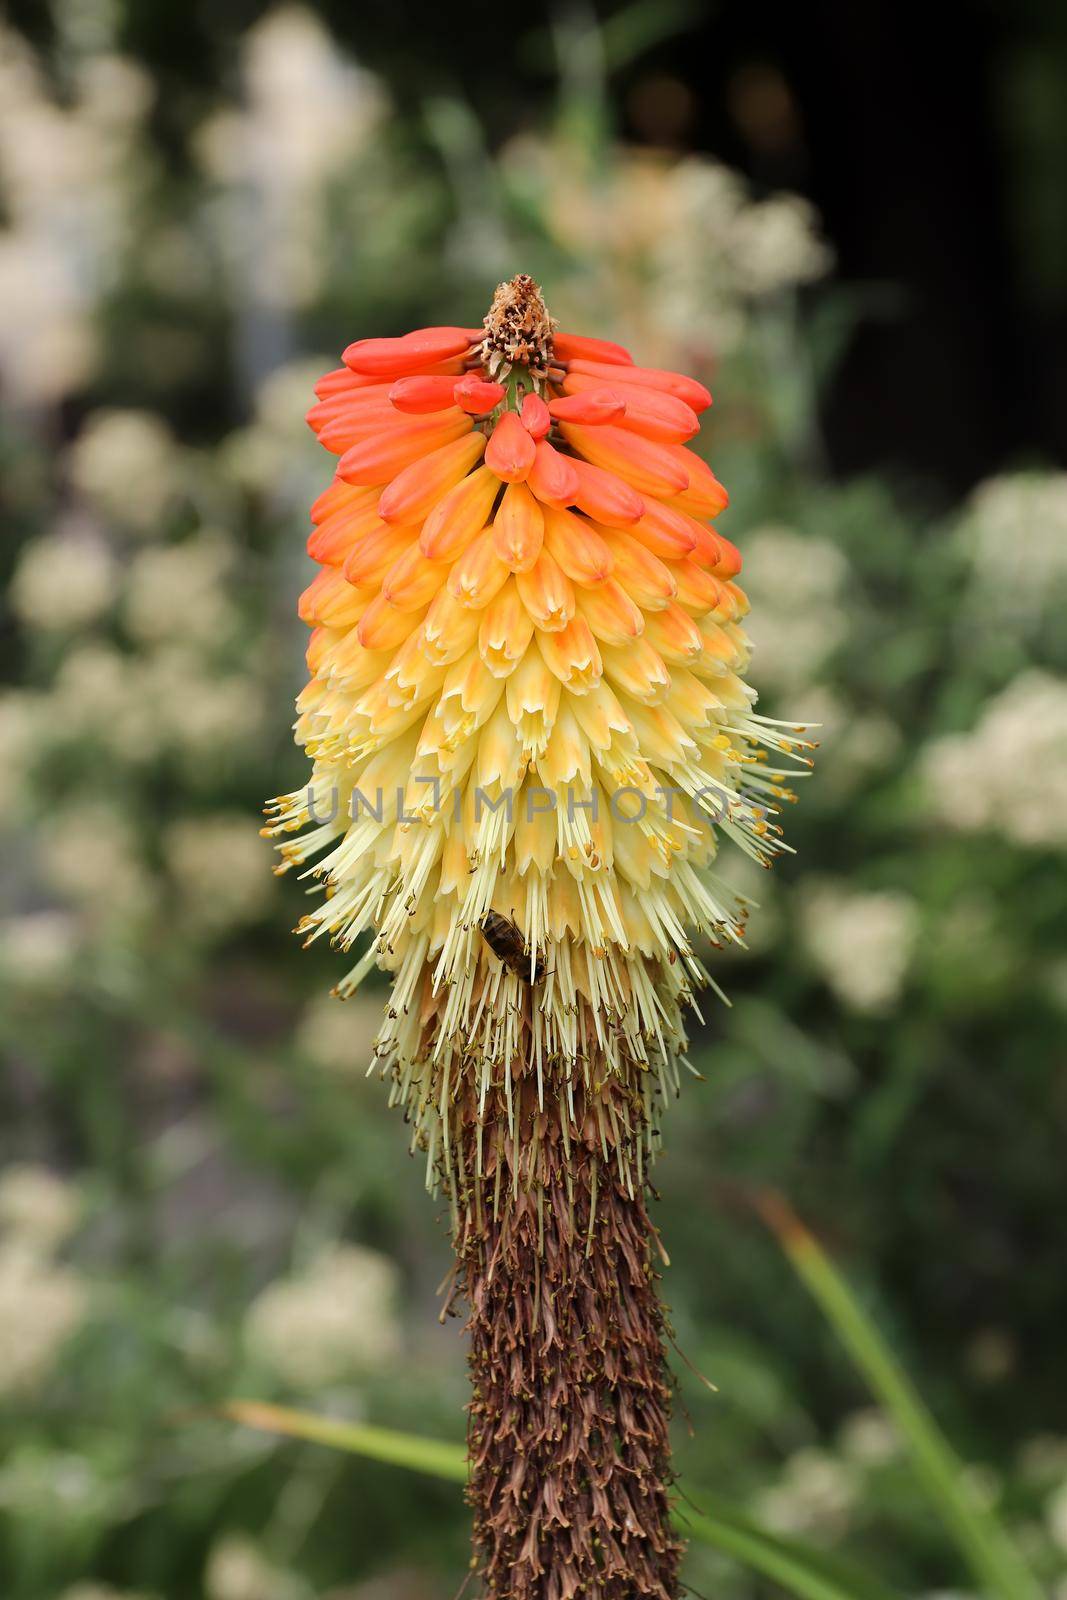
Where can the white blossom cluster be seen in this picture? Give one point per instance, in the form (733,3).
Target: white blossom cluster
(272,159)
(149,634)
(816,1493)
(65,579)
(332,1321)
(239,1569)
(69,174)
(338,1038)
(43,1303)
(1008,774)
(684,256)
(861,943)
(797,584)
(718,251)
(126,465)
(1014,534)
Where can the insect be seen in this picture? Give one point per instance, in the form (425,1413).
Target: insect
(509,946)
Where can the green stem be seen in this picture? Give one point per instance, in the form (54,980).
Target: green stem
(986,1547)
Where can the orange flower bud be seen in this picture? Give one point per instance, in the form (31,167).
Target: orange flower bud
(535,416)
(328,599)
(382,626)
(477,396)
(667,533)
(729,561)
(718,644)
(552,477)
(694,394)
(396,358)
(344,381)
(413,581)
(345,402)
(337,495)
(652,412)
(597,406)
(333,540)
(339,381)
(378,547)
(606,497)
(479,573)
(518,528)
(574,346)
(711,548)
(380,458)
(698,591)
(580,550)
(422,394)
(674,634)
(415,490)
(613,616)
(643,575)
(705,496)
(350,425)
(463,512)
(547,593)
(651,469)
(510,451)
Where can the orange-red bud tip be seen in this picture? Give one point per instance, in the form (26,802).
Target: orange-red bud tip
(478,396)
(396,358)
(510,451)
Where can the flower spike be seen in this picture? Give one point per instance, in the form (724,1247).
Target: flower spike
(530,736)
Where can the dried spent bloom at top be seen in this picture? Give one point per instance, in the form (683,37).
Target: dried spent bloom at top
(529,735)
(518,329)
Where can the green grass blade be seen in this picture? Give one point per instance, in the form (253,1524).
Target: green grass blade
(436,1457)
(842,1575)
(808,1575)
(785,1561)
(987,1549)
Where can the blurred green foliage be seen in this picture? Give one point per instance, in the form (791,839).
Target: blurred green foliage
(203,1197)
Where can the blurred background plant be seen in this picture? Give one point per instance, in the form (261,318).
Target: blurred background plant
(203,1197)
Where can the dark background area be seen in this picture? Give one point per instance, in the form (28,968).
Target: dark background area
(931,138)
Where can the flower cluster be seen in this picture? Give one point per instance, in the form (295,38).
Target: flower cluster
(682,251)
(329,1322)
(525,712)
(42,1302)
(861,943)
(1008,775)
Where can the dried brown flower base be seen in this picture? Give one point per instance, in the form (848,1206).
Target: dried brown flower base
(568,1425)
